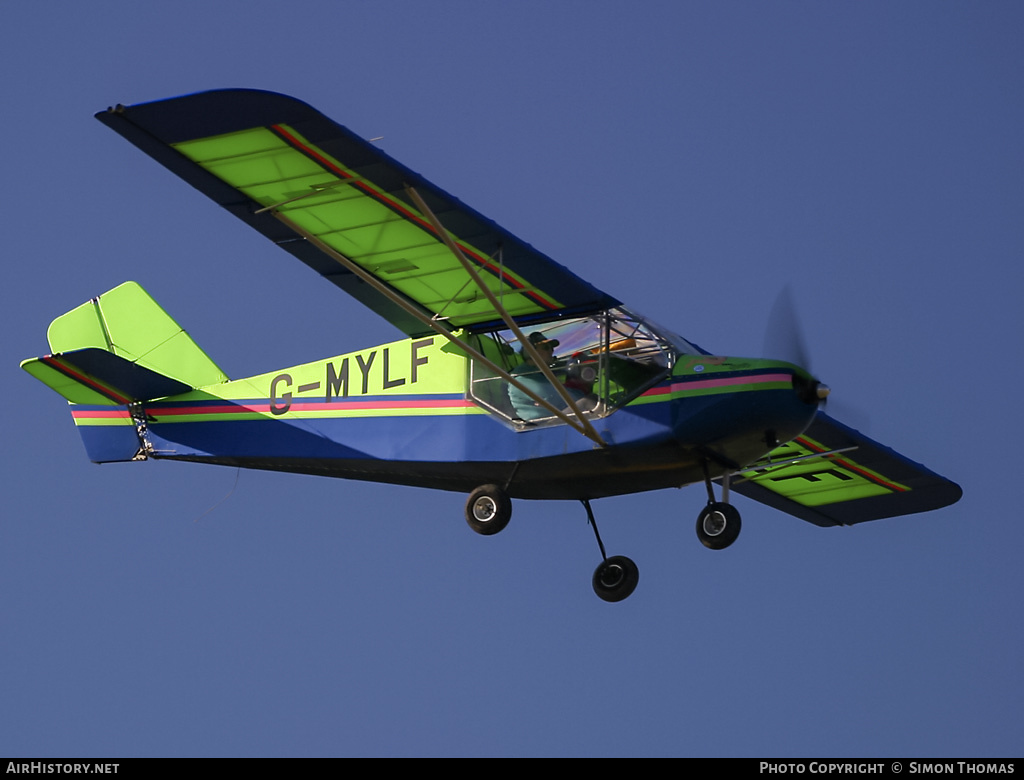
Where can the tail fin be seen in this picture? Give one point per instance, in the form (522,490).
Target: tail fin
(119,349)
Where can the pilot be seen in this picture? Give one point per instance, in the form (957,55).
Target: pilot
(528,374)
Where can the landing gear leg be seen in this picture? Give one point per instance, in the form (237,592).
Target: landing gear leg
(615,578)
(718,524)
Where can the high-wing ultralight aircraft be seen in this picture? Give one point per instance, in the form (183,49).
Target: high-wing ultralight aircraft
(517,379)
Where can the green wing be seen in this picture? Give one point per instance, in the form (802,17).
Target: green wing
(343,207)
(834,475)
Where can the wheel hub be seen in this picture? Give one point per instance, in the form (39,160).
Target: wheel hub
(484,509)
(714,523)
(612,575)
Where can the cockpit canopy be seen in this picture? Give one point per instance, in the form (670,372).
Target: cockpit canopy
(603,361)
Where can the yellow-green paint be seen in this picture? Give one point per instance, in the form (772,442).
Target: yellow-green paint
(129,323)
(820,481)
(400,249)
(71,389)
(419,367)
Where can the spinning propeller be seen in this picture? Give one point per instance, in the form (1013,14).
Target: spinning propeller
(784,340)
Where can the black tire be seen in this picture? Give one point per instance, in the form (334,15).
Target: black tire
(615,578)
(488,509)
(718,525)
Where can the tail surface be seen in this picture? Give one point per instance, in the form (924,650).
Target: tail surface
(110,354)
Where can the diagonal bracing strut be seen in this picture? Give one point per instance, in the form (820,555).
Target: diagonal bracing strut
(580,423)
(535,357)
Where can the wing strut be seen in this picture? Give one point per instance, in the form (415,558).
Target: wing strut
(580,424)
(588,429)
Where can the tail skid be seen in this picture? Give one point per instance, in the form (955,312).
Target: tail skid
(111,354)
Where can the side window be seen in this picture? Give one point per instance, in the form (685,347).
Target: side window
(602,362)
(488,388)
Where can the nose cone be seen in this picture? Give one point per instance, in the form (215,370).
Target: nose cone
(809,389)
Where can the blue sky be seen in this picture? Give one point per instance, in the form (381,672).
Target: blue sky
(691,159)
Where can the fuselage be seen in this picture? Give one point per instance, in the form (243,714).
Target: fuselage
(419,412)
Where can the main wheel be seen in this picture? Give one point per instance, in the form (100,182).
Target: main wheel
(615,578)
(718,525)
(488,509)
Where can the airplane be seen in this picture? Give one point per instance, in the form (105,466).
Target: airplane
(516,378)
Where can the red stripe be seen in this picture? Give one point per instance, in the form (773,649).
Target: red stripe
(853,467)
(63,368)
(404,210)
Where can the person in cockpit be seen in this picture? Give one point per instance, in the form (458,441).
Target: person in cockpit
(530,375)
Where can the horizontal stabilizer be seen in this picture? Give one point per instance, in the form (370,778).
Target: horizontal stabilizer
(835,475)
(95,376)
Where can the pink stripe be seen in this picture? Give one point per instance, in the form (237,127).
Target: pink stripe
(318,406)
(708,384)
(96,415)
(732,381)
(397,405)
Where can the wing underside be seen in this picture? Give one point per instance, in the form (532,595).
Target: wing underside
(834,475)
(350,211)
